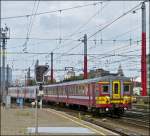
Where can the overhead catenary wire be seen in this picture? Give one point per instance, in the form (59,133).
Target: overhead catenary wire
(87,22)
(116,19)
(77,30)
(107,25)
(35,7)
(69,54)
(63,54)
(108,52)
(48,12)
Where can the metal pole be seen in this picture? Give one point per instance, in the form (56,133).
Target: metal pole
(28,77)
(52,67)
(7,79)
(0,59)
(143,56)
(85,57)
(3,67)
(36,113)
(149,52)
(0,69)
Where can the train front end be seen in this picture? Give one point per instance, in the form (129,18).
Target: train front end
(114,95)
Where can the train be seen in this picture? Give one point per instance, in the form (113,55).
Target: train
(102,94)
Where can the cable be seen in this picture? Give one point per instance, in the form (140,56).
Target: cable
(48,12)
(31,24)
(134,8)
(70,54)
(86,23)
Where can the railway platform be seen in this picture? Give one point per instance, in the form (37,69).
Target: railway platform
(50,122)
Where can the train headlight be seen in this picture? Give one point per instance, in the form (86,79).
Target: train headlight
(126,98)
(125,108)
(107,99)
(134,99)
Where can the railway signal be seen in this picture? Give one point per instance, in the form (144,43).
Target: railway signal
(40,70)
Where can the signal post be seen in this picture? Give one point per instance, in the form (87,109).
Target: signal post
(40,70)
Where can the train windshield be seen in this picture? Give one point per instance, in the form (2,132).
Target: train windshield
(105,88)
(126,88)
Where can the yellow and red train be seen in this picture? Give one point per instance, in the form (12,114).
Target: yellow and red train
(107,93)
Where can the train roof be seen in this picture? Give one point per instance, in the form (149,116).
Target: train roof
(93,80)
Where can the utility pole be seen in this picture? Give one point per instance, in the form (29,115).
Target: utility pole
(143,56)
(36,113)
(25,80)
(149,51)
(0,68)
(52,72)
(37,63)
(85,56)
(7,79)
(28,76)
(5,34)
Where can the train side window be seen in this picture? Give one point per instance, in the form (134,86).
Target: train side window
(67,89)
(70,93)
(126,88)
(105,88)
(63,90)
(53,90)
(116,88)
(78,91)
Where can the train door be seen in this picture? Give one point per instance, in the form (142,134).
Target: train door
(116,90)
(93,94)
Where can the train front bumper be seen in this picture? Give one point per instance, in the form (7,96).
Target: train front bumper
(107,102)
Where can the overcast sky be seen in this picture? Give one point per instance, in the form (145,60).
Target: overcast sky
(77,21)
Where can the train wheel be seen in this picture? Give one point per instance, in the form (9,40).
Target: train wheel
(118,112)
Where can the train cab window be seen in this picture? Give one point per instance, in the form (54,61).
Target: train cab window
(116,88)
(126,88)
(105,88)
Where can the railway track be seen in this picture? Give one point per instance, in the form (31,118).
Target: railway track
(136,122)
(137,115)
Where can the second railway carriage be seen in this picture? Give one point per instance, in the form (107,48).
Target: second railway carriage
(28,92)
(108,93)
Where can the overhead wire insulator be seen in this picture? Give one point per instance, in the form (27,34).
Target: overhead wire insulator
(130,40)
(101,41)
(94,41)
(137,42)
(114,41)
(60,39)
